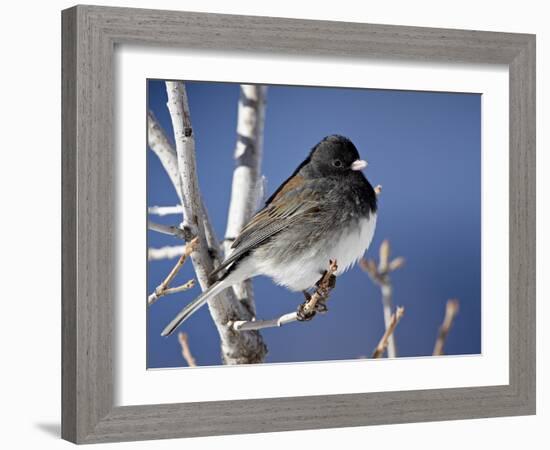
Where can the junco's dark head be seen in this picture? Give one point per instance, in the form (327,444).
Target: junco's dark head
(334,155)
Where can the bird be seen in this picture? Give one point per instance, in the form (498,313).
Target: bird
(326,210)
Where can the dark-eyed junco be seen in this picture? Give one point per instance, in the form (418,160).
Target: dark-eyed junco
(326,210)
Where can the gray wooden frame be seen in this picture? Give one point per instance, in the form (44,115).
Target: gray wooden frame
(89,36)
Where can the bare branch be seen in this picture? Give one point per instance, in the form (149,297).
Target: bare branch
(243,325)
(165,210)
(384,256)
(380,275)
(159,143)
(315,303)
(189,248)
(162,288)
(396,263)
(167,252)
(237,348)
(247,173)
(186,350)
(184,287)
(185,152)
(184,234)
(451,311)
(384,341)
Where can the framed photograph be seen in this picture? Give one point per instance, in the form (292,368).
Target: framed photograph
(305,224)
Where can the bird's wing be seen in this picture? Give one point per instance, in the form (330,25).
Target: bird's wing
(288,207)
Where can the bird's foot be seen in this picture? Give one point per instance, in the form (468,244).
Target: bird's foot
(317,302)
(322,284)
(303,314)
(306,311)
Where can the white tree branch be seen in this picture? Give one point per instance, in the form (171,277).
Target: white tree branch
(247,173)
(165,210)
(170,230)
(186,350)
(168,252)
(248,157)
(237,348)
(380,275)
(243,325)
(390,328)
(387,305)
(159,143)
(451,310)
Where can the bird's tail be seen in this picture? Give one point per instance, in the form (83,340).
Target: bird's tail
(192,307)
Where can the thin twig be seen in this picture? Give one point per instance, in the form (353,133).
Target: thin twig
(189,248)
(183,287)
(165,210)
(242,325)
(305,312)
(171,230)
(380,275)
(162,288)
(248,325)
(186,350)
(451,310)
(384,341)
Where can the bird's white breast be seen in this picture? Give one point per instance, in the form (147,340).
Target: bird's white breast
(303,272)
(353,243)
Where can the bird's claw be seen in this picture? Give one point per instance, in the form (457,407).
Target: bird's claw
(302,315)
(322,289)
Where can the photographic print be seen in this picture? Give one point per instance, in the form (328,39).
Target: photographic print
(322,236)
(293,224)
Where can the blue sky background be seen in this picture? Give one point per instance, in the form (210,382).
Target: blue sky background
(424,148)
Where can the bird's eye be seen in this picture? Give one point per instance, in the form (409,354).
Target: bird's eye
(337,163)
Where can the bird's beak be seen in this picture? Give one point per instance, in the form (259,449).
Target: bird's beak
(359,164)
